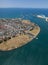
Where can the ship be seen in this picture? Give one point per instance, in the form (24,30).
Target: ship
(41,16)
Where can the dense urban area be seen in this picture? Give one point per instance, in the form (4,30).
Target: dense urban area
(11,28)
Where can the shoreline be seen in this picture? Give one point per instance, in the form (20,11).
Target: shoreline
(21,39)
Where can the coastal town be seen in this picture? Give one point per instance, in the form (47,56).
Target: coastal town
(16,32)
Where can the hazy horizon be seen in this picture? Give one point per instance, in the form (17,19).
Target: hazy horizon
(23,3)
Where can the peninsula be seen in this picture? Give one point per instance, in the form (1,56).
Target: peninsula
(16,32)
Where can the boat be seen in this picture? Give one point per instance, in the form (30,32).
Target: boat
(36,37)
(41,16)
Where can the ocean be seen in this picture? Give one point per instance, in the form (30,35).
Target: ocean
(36,51)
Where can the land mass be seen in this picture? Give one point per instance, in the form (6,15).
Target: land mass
(16,32)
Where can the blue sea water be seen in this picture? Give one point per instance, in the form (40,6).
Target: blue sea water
(36,51)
